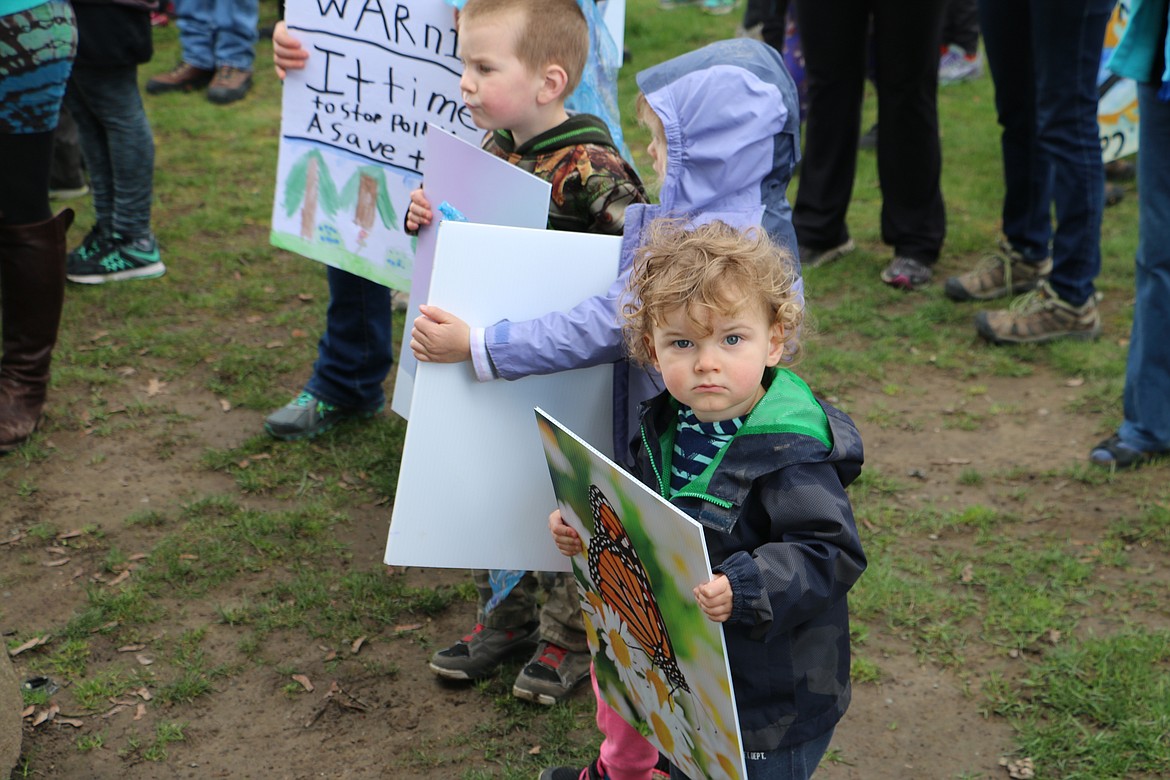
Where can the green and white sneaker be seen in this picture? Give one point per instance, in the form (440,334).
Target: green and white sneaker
(114,260)
(307,416)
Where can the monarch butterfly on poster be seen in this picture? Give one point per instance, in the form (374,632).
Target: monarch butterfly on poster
(624,587)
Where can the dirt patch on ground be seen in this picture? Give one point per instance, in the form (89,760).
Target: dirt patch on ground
(918,720)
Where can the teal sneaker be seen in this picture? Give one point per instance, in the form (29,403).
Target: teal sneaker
(719,7)
(115,260)
(96,240)
(307,416)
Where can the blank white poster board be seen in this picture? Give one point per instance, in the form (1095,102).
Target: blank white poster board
(473,182)
(472,490)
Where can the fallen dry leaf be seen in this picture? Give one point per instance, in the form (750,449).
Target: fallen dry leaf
(131,648)
(76,532)
(357,645)
(534,750)
(331,655)
(57,550)
(188,557)
(155,386)
(407,627)
(29,645)
(48,713)
(143,693)
(298,333)
(1076,381)
(27,711)
(305,682)
(12,539)
(112,711)
(125,575)
(98,335)
(140,711)
(74,722)
(58,562)
(275,344)
(225,404)
(138,557)
(143,659)
(104,627)
(304,297)
(968,573)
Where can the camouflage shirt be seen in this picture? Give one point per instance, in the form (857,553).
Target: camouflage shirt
(591,183)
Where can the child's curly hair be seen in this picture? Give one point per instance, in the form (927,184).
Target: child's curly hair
(709,268)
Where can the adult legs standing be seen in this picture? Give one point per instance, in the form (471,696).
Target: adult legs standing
(1147,373)
(36,53)
(1052,161)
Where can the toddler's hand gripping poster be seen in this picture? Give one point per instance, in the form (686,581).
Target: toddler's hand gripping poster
(660,663)
(353,126)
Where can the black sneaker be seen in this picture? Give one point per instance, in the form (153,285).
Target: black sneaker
(1114,453)
(116,260)
(552,674)
(307,416)
(96,240)
(479,653)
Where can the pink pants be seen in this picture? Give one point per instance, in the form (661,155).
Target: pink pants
(625,754)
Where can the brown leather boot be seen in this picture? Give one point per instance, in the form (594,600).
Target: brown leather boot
(32,290)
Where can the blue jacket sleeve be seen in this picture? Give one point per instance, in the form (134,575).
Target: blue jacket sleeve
(811,558)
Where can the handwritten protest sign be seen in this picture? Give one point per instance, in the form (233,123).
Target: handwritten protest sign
(353,128)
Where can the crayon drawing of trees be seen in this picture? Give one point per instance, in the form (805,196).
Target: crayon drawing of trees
(310,183)
(366,193)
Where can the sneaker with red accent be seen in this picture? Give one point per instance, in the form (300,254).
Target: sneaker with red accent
(551,675)
(481,652)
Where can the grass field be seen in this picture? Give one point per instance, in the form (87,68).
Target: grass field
(163,556)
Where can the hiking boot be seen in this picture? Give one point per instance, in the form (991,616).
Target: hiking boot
(229,85)
(906,273)
(182,78)
(1038,316)
(1114,453)
(307,416)
(812,258)
(1004,273)
(479,653)
(115,260)
(551,675)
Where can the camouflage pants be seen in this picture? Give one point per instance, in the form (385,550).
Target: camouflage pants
(559,615)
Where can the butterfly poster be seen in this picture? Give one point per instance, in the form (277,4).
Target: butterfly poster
(660,663)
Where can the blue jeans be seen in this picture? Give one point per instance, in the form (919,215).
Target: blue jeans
(792,763)
(214,33)
(1147,372)
(354,354)
(118,146)
(1044,56)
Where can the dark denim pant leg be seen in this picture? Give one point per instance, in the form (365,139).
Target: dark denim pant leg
(1051,154)
(1027,172)
(355,352)
(1147,372)
(118,145)
(1068,38)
